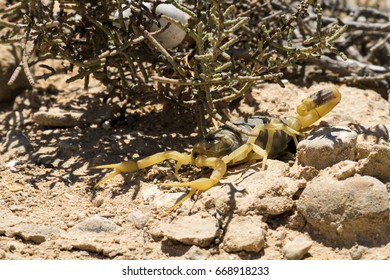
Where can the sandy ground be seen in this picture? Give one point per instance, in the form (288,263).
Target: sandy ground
(50,209)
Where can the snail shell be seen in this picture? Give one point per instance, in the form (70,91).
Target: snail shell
(173,35)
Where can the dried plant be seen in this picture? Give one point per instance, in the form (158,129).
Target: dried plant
(232,45)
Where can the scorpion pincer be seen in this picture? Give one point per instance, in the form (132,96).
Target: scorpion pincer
(269,137)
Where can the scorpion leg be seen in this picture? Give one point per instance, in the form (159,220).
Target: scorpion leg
(202,184)
(130,166)
(242,153)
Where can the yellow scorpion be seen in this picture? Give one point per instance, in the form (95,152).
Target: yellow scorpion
(224,146)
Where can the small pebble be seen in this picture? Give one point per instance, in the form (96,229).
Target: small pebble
(357,251)
(196,253)
(164,200)
(12,165)
(346,169)
(297,248)
(56,117)
(96,224)
(106,125)
(98,201)
(137,218)
(148,194)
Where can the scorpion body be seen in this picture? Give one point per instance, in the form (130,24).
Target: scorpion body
(224,140)
(268,137)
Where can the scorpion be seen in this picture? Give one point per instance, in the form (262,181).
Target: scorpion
(224,147)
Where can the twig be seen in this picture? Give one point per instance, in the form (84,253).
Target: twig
(376,77)
(348,67)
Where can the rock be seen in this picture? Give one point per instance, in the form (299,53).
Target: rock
(218,197)
(307,173)
(192,230)
(15,187)
(56,117)
(164,200)
(96,224)
(382,253)
(344,169)
(98,201)
(148,194)
(13,246)
(35,233)
(156,233)
(357,252)
(297,248)
(251,189)
(245,233)
(86,245)
(9,62)
(267,193)
(254,191)
(196,253)
(326,147)
(355,210)
(137,218)
(16,143)
(374,160)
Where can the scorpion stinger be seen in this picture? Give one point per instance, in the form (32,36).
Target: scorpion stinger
(317,105)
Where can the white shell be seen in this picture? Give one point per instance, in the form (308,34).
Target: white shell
(173,35)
